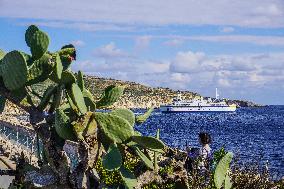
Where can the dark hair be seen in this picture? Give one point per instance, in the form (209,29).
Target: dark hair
(205,138)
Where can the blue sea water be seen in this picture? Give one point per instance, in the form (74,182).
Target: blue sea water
(250,133)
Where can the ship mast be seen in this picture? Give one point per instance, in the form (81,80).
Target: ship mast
(216,94)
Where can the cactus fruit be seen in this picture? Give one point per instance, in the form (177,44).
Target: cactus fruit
(77,97)
(62,126)
(67,55)
(2,103)
(144,158)
(40,70)
(110,96)
(80,81)
(222,169)
(128,177)
(126,114)
(67,78)
(14,70)
(115,128)
(142,118)
(46,97)
(112,160)
(148,142)
(29,33)
(39,44)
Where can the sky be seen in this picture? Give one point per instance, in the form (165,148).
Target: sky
(194,45)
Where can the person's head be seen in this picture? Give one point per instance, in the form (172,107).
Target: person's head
(204,138)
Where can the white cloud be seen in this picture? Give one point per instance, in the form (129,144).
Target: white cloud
(227,29)
(238,76)
(142,42)
(253,13)
(174,42)
(78,43)
(109,51)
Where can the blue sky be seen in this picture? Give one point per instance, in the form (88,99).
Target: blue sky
(186,44)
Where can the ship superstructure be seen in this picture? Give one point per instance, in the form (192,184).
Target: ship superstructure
(198,105)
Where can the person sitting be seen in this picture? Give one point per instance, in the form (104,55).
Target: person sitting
(199,158)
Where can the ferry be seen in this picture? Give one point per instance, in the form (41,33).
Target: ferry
(198,105)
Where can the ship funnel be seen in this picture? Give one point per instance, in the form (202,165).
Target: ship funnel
(216,94)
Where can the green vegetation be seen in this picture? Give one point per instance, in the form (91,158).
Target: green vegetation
(110,153)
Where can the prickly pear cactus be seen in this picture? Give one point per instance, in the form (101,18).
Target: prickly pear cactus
(222,169)
(40,70)
(62,125)
(77,97)
(144,158)
(46,97)
(14,70)
(126,114)
(149,142)
(2,54)
(115,128)
(110,96)
(142,118)
(29,34)
(128,177)
(67,78)
(39,44)
(112,160)
(80,81)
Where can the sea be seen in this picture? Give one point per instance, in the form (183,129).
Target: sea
(254,135)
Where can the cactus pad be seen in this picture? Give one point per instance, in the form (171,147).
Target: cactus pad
(222,169)
(115,128)
(46,97)
(39,44)
(144,158)
(80,81)
(14,70)
(112,160)
(40,70)
(62,126)
(148,142)
(77,98)
(67,78)
(126,114)
(142,118)
(128,177)
(110,96)
(29,34)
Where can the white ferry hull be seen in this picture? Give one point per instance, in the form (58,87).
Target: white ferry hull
(198,109)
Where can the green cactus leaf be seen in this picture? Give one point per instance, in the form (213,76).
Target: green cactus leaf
(58,68)
(28,58)
(142,118)
(14,70)
(115,128)
(110,96)
(39,44)
(77,97)
(149,142)
(29,34)
(128,177)
(89,100)
(221,169)
(112,160)
(40,70)
(62,125)
(126,114)
(2,103)
(228,184)
(80,81)
(67,78)
(144,158)
(46,97)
